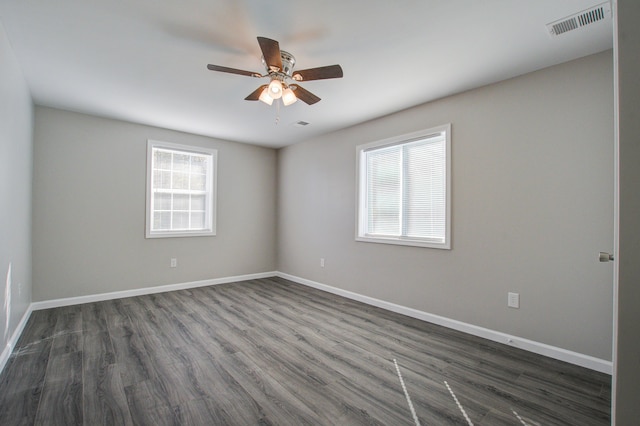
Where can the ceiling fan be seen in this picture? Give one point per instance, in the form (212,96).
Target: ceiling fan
(279,65)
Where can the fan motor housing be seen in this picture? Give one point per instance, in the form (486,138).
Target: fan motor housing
(288,61)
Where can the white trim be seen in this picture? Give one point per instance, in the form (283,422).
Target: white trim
(361,193)
(576,358)
(56,303)
(582,360)
(616,210)
(210,191)
(8,350)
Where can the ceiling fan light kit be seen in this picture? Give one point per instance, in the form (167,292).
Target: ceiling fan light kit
(279,66)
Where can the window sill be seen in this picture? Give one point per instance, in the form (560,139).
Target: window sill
(178,234)
(405,242)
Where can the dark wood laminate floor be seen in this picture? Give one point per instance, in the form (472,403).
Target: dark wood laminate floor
(274,352)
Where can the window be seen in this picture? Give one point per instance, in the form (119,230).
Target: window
(181,190)
(404,187)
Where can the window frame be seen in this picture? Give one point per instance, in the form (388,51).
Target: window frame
(211,192)
(361,189)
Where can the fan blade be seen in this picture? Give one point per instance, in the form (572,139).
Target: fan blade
(320,73)
(233,70)
(271,53)
(255,95)
(304,95)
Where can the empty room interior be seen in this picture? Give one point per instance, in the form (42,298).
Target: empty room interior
(336,213)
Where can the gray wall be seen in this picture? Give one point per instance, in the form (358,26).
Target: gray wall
(627,364)
(89,210)
(532,206)
(16,146)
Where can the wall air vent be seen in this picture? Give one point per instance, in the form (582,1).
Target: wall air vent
(581,19)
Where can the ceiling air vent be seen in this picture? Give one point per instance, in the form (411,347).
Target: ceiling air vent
(581,19)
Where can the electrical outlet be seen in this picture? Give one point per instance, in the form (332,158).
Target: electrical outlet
(174,262)
(322,262)
(513,300)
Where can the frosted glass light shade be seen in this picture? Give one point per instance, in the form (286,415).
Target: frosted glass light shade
(264,96)
(275,89)
(288,97)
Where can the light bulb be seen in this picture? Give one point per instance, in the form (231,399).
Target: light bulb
(275,89)
(288,97)
(264,96)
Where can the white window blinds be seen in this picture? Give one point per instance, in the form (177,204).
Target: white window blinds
(384,191)
(425,189)
(404,191)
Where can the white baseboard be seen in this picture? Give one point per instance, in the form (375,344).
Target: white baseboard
(8,349)
(576,358)
(55,303)
(582,360)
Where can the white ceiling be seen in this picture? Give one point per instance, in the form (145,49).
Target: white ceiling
(145,61)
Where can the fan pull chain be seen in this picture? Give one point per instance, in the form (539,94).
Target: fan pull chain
(277,112)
